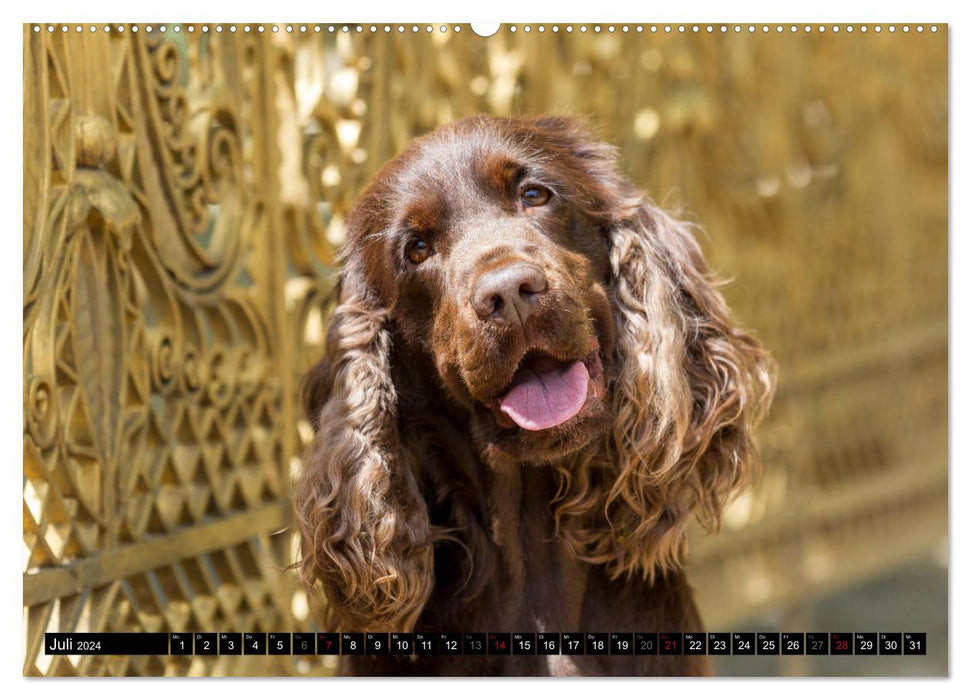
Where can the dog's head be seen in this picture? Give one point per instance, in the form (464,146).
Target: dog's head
(486,242)
(567,319)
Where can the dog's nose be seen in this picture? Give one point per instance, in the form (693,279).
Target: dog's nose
(510,293)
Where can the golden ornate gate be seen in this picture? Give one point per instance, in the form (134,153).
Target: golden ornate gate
(185,188)
(158,425)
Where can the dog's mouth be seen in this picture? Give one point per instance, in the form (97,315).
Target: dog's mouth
(546,392)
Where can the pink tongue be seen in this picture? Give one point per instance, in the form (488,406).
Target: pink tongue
(546,395)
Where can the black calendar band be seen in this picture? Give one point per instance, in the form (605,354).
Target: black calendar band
(487,643)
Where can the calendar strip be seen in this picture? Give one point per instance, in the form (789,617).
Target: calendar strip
(488,643)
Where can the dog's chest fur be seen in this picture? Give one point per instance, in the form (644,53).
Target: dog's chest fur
(524,579)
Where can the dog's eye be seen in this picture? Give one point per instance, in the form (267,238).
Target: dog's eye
(534,196)
(417,251)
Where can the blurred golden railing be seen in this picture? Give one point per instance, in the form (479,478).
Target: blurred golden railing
(184,195)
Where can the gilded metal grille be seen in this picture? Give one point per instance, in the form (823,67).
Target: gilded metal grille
(184,196)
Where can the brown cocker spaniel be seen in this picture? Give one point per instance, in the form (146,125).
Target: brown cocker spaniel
(531,385)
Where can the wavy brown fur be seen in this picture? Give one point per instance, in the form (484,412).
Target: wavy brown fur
(365,532)
(691,389)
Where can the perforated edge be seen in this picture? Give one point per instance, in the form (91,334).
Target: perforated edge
(510,28)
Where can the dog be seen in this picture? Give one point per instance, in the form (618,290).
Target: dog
(531,385)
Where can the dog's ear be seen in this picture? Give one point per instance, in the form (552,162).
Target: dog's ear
(690,385)
(690,390)
(365,536)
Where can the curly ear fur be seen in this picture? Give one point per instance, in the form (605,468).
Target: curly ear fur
(364,527)
(692,387)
